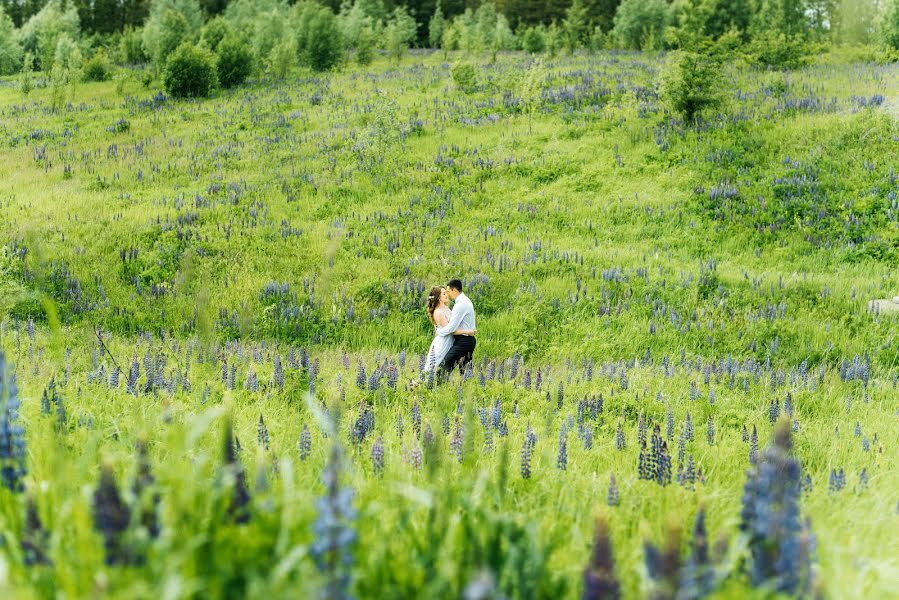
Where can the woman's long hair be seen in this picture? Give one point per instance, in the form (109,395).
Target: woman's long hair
(434,302)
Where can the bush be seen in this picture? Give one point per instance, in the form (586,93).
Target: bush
(640,24)
(10,50)
(465,77)
(533,41)
(691,83)
(283,58)
(96,68)
(215,31)
(171,22)
(319,40)
(888,25)
(131,49)
(779,50)
(234,61)
(190,72)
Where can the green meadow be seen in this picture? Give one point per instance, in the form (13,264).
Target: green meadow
(213,310)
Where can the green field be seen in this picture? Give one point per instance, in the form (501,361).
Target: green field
(259,261)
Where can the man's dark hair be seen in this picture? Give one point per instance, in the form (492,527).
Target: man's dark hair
(455,284)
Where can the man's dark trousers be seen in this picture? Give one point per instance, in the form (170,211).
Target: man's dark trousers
(461,353)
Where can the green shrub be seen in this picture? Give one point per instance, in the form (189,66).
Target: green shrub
(533,41)
(691,83)
(283,58)
(234,61)
(466,77)
(888,24)
(190,72)
(96,68)
(10,50)
(365,46)
(639,24)
(171,22)
(215,31)
(131,49)
(778,50)
(319,40)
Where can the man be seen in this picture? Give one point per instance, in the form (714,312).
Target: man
(462,318)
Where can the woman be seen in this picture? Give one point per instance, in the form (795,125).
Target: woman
(439,314)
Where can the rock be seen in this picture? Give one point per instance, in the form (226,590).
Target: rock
(884,306)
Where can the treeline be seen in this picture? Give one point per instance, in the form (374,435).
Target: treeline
(83,39)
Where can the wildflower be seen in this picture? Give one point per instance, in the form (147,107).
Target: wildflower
(377,456)
(12,434)
(599,576)
(562,459)
(34,537)
(669,422)
(526,460)
(332,548)
(143,489)
(710,434)
(620,443)
(305,442)
(754,447)
(111,517)
(262,434)
(688,427)
(240,496)
(780,546)
(612,498)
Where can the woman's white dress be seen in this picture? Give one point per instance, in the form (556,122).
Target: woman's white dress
(441,344)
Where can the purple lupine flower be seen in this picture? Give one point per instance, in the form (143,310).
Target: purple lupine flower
(754,447)
(35,538)
(710,434)
(240,495)
(620,443)
(496,414)
(560,395)
(305,442)
(262,434)
(143,490)
(613,498)
(361,377)
(774,410)
(111,518)
(416,418)
(133,375)
(863,479)
(788,405)
(641,430)
(526,459)
(12,434)
(416,456)
(400,426)
(562,458)
(688,427)
(745,434)
(689,477)
(669,423)
(278,373)
(427,437)
(332,548)
(377,456)
(599,576)
(780,546)
(456,442)
(588,438)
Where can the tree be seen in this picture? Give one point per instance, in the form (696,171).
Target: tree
(234,61)
(319,40)
(401,29)
(577,26)
(42,31)
(107,16)
(190,72)
(159,38)
(691,83)
(436,26)
(888,24)
(10,50)
(640,24)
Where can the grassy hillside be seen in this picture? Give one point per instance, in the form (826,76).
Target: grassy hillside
(262,259)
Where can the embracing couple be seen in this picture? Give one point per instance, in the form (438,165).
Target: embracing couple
(454,338)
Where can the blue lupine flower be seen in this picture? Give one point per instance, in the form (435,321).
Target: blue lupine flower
(262,434)
(562,458)
(12,434)
(377,456)
(526,460)
(778,541)
(620,443)
(35,538)
(613,498)
(688,427)
(669,425)
(710,434)
(754,447)
(332,548)
(599,576)
(111,518)
(305,442)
